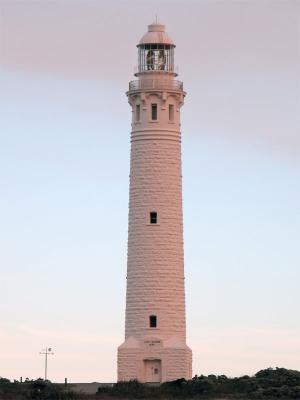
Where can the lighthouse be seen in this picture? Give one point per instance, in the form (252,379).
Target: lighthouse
(155,348)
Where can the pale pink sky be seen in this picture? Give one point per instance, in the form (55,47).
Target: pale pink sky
(64,161)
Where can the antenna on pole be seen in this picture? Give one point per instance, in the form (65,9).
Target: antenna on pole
(156,18)
(47,351)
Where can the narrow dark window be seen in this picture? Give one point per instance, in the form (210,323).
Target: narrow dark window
(137,112)
(153,217)
(154,112)
(171,112)
(153,321)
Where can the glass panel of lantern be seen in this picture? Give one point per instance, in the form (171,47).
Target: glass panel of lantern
(156,57)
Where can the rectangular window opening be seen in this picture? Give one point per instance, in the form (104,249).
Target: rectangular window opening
(153,217)
(153,321)
(154,112)
(171,112)
(137,112)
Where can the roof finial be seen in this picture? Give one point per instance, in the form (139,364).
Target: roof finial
(156,18)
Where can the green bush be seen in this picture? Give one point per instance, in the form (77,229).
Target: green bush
(267,384)
(38,389)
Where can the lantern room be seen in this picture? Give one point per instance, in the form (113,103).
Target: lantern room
(156,50)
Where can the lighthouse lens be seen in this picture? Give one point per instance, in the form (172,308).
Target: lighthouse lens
(156,57)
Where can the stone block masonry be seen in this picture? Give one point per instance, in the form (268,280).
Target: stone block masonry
(155,347)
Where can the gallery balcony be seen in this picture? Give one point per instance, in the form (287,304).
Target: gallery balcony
(155,83)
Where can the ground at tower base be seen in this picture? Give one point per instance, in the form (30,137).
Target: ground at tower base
(270,384)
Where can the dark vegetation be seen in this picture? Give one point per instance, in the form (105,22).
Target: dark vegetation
(269,384)
(36,390)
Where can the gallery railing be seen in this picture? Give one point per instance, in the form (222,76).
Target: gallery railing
(162,84)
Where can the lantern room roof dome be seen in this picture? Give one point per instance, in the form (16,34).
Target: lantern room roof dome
(156,35)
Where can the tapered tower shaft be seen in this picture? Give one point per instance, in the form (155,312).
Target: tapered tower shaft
(155,328)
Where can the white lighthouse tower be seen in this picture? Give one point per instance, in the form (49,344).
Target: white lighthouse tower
(155,347)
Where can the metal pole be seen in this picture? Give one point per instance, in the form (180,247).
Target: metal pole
(47,351)
(46,359)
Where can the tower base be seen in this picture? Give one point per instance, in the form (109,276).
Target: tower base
(154,360)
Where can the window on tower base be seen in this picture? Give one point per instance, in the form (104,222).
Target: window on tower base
(153,321)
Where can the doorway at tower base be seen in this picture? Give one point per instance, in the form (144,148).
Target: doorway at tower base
(152,360)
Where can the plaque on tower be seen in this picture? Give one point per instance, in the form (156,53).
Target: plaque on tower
(155,348)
